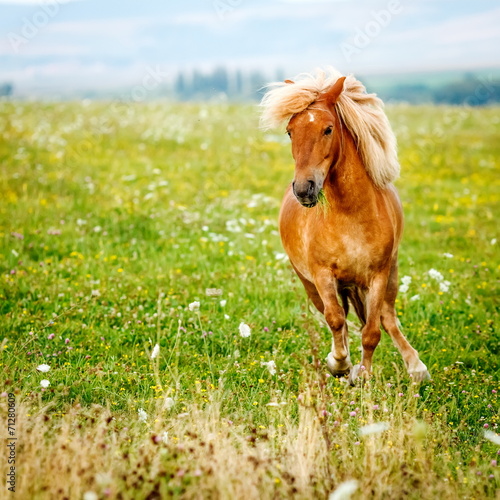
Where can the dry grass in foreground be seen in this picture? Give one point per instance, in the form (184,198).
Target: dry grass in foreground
(92,453)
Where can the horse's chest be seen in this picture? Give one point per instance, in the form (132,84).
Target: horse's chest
(351,251)
(346,250)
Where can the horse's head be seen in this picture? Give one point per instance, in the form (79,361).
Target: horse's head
(315,144)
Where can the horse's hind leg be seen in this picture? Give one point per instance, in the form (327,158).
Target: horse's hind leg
(417,370)
(370,333)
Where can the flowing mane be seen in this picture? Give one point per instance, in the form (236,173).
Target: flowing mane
(360,112)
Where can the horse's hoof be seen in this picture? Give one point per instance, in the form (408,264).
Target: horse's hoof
(338,368)
(359,375)
(420,376)
(419,373)
(354,375)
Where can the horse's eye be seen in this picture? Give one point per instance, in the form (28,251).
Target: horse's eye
(328,131)
(289,133)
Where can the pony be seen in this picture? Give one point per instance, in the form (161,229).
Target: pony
(341,219)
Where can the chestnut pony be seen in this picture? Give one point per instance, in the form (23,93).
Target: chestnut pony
(341,219)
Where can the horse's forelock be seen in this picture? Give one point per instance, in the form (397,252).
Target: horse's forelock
(285,99)
(362,114)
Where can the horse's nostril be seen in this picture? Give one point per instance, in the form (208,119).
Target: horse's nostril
(304,188)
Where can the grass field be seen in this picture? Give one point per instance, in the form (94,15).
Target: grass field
(116,220)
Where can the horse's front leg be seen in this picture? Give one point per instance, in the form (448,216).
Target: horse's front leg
(370,334)
(338,360)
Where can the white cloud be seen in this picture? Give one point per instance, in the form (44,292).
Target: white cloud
(35,2)
(313,1)
(301,10)
(481,27)
(45,49)
(454,42)
(123,27)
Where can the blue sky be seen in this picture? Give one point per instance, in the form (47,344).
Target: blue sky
(85,44)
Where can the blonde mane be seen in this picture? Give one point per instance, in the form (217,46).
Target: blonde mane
(361,113)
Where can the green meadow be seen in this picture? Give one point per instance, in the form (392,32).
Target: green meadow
(126,226)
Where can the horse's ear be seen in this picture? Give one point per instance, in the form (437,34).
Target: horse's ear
(289,81)
(333,94)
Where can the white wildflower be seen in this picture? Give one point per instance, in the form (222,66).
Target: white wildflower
(448,255)
(436,275)
(280,256)
(405,280)
(217,237)
(194,306)
(97,229)
(213,292)
(493,241)
(232,226)
(156,351)
(44,383)
(491,436)
(164,437)
(143,416)
(95,293)
(43,368)
(90,495)
(444,286)
(245,330)
(81,222)
(226,316)
(168,403)
(375,428)
(223,303)
(415,297)
(344,490)
(270,365)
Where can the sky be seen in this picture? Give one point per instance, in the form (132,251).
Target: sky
(98,44)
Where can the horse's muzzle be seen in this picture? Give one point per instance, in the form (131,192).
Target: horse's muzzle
(306,193)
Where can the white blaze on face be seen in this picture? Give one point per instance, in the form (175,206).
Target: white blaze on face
(311,116)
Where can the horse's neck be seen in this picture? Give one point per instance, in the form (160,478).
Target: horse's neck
(348,185)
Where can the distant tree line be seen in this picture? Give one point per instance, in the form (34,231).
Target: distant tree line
(6,89)
(469,90)
(234,85)
(238,85)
